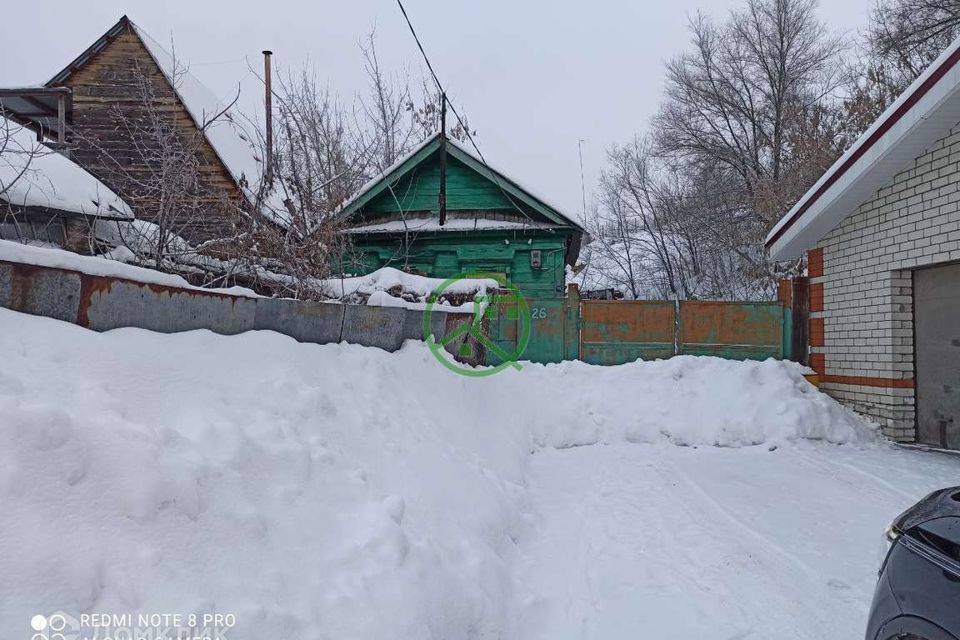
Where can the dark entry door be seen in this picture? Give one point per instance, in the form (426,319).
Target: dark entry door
(936,296)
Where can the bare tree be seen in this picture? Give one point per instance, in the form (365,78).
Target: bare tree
(637,229)
(16,159)
(24,185)
(905,36)
(321,158)
(386,109)
(426,116)
(747,124)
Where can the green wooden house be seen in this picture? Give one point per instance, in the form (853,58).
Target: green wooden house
(492,224)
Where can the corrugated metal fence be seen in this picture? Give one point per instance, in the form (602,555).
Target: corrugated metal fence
(617,331)
(560,328)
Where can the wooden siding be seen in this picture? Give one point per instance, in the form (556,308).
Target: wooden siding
(107,84)
(450,253)
(420,190)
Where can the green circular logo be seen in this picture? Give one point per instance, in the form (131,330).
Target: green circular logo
(505,306)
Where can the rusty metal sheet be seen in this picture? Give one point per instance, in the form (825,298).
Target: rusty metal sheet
(618,331)
(736,330)
(42,291)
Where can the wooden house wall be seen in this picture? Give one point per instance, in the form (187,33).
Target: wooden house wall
(420,190)
(109,83)
(447,254)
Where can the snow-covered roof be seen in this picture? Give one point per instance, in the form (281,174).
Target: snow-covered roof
(924,113)
(421,225)
(33,175)
(228,134)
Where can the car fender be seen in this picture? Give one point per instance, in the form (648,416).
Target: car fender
(912,625)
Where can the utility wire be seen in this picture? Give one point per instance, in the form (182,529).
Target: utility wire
(466,129)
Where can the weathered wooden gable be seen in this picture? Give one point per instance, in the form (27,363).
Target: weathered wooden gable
(107,98)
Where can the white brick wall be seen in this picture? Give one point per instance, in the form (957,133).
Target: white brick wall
(913,222)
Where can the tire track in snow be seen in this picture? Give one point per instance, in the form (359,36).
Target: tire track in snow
(829,466)
(785,592)
(724,513)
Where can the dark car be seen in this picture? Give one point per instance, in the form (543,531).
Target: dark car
(918,594)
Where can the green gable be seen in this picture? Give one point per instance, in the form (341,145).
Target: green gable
(419,190)
(413,185)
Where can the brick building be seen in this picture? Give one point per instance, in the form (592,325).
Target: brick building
(881,231)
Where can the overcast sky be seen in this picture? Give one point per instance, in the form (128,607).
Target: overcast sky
(533,77)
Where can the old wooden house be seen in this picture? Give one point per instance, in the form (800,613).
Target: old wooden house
(131,104)
(490,224)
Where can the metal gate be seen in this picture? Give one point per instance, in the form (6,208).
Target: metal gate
(732,330)
(936,296)
(618,331)
(612,332)
(552,326)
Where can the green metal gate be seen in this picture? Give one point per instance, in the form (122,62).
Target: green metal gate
(619,331)
(732,330)
(610,332)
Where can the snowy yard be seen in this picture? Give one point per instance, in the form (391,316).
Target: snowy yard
(714,542)
(343,492)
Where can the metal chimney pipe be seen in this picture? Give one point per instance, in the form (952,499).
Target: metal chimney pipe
(268,108)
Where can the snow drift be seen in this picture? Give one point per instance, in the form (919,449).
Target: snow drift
(317,491)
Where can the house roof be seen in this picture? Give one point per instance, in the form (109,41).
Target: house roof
(33,175)
(924,113)
(227,135)
(425,150)
(38,107)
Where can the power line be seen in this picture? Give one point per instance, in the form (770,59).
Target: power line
(463,125)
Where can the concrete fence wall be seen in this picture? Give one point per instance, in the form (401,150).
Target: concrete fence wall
(103,303)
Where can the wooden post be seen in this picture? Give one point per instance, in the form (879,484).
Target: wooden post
(794,295)
(268,108)
(61,120)
(443,159)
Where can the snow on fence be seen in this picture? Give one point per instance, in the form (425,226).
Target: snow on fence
(104,302)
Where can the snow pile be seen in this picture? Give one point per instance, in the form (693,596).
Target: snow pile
(316,491)
(686,400)
(389,287)
(33,175)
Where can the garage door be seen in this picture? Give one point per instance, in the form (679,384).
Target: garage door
(936,294)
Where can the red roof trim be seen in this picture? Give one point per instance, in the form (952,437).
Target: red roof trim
(891,120)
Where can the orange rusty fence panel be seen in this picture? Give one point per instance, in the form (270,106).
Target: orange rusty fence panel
(618,331)
(735,330)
